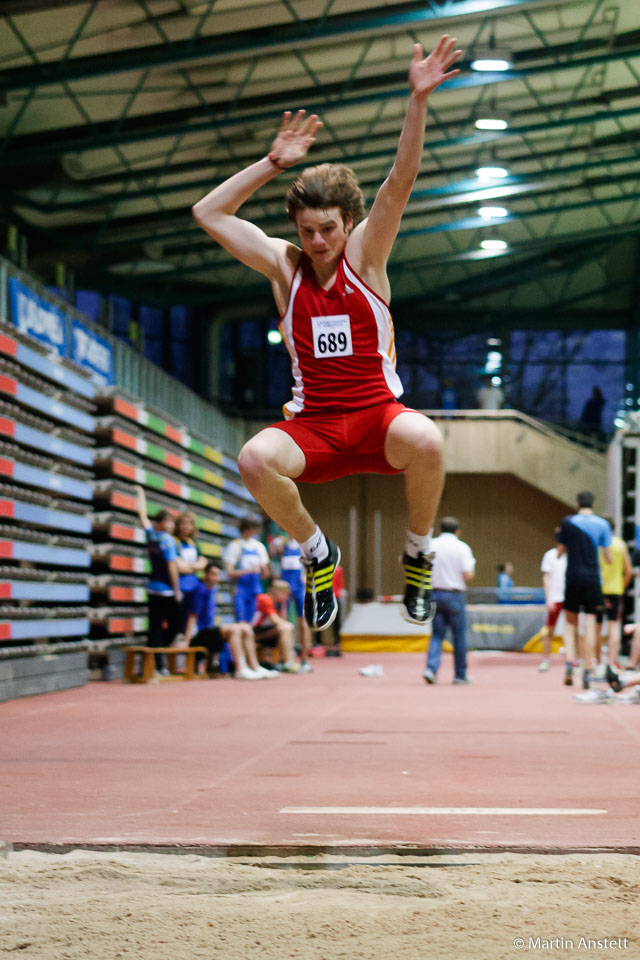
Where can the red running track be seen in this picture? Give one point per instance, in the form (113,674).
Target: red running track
(214,763)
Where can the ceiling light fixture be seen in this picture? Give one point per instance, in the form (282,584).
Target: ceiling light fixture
(492,213)
(493,121)
(491,60)
(494,244)
(491,173)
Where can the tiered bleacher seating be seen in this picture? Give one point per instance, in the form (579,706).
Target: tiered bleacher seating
(73,559)
(139,445)
(46,492)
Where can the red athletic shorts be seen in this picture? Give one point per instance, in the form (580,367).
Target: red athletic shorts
(553,612)
(339,445)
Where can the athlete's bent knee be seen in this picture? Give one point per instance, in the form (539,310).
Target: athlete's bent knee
(252,460)
(427,442)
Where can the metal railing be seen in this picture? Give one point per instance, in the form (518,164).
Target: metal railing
(137,375)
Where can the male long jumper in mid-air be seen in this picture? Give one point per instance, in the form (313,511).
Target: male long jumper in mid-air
(332,293)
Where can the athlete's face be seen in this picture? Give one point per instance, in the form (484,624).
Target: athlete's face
(212,577)
(167,525)
(323,233)
(185,527)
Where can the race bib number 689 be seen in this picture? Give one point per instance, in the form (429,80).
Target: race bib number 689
(332,336)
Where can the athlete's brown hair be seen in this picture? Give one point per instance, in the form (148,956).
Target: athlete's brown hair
(186,515)
(327,185)
(281,585)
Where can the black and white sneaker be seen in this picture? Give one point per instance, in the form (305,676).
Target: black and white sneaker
(320,602)
(418,605)
(613,679)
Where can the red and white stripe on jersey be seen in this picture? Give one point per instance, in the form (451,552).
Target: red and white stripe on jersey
(338,384)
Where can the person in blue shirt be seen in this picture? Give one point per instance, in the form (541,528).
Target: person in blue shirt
(163,587)
(201,629)
(505,582)
(580,537)
(246,562)
(189,563)
(448,397)
(505,575)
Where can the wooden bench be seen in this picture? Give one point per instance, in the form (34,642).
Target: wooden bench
(148,655)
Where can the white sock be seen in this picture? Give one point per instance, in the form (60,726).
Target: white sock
(242,663)
(417,543)
(316,547)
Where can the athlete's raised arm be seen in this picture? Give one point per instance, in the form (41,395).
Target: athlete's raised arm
(216,212)
(371,242)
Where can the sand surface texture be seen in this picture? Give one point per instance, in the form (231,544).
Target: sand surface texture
(144,906)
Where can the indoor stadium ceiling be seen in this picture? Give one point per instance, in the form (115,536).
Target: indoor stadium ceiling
(118,115)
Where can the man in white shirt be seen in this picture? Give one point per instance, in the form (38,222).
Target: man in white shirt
(453,567)
(490,395)
(554,571)
(246,562)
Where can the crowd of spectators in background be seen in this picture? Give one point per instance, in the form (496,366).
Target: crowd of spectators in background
(585,576)
(260,642)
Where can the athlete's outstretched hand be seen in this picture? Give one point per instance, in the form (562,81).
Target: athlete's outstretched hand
(427,74)
(294,138)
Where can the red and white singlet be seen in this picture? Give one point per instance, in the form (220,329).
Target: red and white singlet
(341,343)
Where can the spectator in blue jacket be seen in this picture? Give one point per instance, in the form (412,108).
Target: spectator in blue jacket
(163,587)
(189,562)
(202,631)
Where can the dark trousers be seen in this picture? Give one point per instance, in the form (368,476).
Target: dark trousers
(164,622)
(450,612)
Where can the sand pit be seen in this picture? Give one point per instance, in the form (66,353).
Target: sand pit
(145,906)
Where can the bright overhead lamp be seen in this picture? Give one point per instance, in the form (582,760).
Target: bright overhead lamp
(493,121)
(494,244)
(491,60)
(493,362)
(491,173)
(274,337)
(492,213)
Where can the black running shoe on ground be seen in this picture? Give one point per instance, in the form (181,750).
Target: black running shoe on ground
(418,605)
(568,676)
(320,602)
(613,679)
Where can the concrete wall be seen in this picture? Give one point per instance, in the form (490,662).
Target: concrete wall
(509,442)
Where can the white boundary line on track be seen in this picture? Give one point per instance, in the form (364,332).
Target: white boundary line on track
(449,811)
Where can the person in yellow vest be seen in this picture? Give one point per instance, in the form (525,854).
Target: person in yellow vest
(616,577)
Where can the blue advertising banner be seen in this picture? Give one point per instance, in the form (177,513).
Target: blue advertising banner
(93,353)
(37,318)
